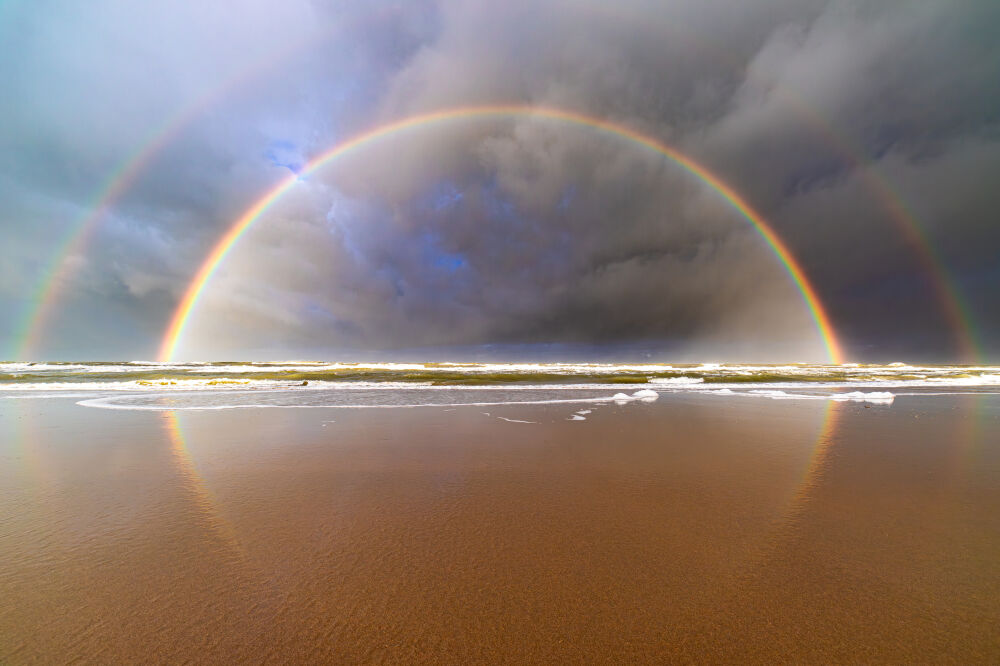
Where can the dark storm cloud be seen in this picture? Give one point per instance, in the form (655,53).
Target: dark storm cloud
(516,230)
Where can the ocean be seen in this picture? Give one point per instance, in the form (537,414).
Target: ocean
(227,385)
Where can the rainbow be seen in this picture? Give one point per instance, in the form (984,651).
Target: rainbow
(40,306)
(947,294)
(204,498)
(818,460)
(946,291)
(183,312)
(58,271)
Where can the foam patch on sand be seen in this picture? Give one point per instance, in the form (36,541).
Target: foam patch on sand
(646,395)
(784,395)
(876,397)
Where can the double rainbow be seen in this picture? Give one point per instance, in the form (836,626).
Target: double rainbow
(37,315)
(215,258)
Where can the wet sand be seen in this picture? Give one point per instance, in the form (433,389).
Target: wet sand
(696,528)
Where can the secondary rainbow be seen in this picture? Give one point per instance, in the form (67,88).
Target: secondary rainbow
(58,272)
(197,285)
(947,293)
(36,317)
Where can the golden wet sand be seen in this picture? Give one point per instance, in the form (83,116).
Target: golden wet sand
(695,528)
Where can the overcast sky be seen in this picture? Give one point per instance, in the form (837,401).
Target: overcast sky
(506,236)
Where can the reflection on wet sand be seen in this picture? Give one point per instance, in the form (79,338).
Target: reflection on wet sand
(817,460)
(693,528)
(887,557)
(204,498)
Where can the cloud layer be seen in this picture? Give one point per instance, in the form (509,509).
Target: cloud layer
(866,132)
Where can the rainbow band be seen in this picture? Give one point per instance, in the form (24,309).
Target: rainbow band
(39,309)
(58,272)
(946,292)
(204,498)
(197,285)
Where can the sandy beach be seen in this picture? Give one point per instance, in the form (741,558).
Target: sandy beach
(457,332)
(694,528)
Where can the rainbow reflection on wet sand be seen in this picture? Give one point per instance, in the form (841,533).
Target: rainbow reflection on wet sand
(696,527)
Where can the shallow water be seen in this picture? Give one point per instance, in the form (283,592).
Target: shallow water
(697,526)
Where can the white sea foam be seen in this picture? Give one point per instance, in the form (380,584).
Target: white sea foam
(645,395)
(17,366)
(714,371)
(677,381)
(162,386)
(122,403)
(219,400)
(176,385)
(980,380)
(880,398)
(877,397)
(783,395)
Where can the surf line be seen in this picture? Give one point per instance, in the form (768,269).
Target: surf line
(196,287)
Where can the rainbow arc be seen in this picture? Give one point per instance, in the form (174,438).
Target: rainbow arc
(41,307)
(196,287)
(59,271)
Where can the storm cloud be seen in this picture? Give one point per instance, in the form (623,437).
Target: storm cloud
(867,133)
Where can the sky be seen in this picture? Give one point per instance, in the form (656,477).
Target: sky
(867,134)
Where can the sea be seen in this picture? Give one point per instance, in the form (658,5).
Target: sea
(146,385)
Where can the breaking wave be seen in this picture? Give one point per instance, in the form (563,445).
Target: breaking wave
(138,375)
(151,385)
